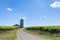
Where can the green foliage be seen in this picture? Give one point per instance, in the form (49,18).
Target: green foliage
(50,29)
(8,27)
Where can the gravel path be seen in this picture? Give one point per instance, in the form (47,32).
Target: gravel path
(21,35)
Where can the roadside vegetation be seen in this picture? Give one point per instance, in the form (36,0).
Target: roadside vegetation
(8,32)
(50,32)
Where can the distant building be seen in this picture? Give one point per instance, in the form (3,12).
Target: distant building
(21,23)
(16,25)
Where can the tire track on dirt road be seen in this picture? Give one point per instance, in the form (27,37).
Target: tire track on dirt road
(21,35)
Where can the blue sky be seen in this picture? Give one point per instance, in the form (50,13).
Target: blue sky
(34,12)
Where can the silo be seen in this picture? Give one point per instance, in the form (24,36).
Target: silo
(21,23)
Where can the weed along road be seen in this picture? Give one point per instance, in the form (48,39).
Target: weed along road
(21,35)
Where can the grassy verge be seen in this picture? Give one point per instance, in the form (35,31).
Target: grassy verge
(50,37)
(8,35)
(8,32)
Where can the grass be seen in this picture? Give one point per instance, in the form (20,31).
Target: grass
(8,34)
(42,35)
(50,37)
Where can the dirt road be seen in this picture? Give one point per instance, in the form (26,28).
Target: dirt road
(21,35)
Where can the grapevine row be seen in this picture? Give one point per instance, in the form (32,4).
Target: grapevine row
(50,29)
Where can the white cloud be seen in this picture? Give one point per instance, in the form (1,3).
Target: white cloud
(10,9)
(55,4)
(45,16)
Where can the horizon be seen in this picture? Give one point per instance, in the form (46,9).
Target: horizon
(34,12)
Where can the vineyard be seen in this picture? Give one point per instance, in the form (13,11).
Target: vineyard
(45,29)
(8,27)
